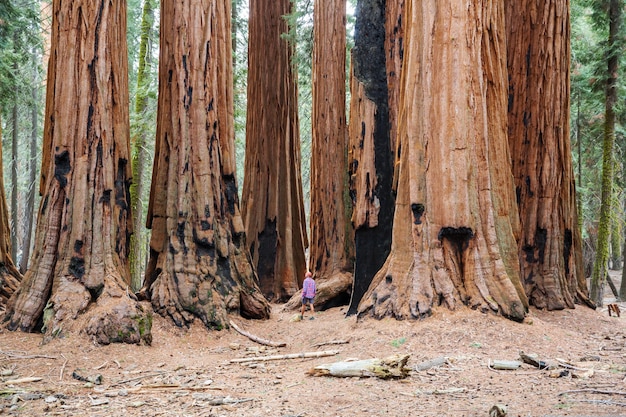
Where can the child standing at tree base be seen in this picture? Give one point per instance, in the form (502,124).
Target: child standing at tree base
(308,293)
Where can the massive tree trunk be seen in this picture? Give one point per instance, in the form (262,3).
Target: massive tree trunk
(272,203)
(550,253)
(9,275)
(331,250)
(14,156)
(199,265)
(370,156)
(79,275)
(455,218)
(139,139)
(600,265)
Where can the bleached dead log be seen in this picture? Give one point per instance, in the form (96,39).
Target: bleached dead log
(23,380)
(256,338)
(287,356)
(391,367)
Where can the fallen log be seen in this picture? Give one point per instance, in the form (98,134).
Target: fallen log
(256,338)
(391,367)
(287,356)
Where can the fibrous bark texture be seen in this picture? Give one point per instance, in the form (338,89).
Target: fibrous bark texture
(370,151)
(199,265)
(550,252)
(79,273)
(331,249)
(453,237)
(272,203)
(394,47)
(10,277)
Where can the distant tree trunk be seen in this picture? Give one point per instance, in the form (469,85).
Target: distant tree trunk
(9,275)
(140,154)
(272,202)
(453,237)
(199,265)
(371,156)
(331,255)
(550,252)
(32,178)
(80,261)
(600,266)
(14,187)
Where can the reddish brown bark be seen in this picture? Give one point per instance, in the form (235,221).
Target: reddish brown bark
(79,267)
(394,45)
(538,40)
(455,219)
(272,203)
(199,265)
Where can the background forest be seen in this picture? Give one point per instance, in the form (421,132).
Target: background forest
(598,137)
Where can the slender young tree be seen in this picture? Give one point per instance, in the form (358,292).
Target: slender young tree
(550,253)
(9,275)
(600,265)
(453,237)
(80,261)
(199,265)
(272,203)
(371,156)
(139,141)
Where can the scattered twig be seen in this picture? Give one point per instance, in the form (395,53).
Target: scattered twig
(256,338)
(288,356)
(441,391)
(62,368)
(97,368)
(592,391)
(138,378)
(605,402)
(563,363)
(21,355)
(23,380)
(332,342)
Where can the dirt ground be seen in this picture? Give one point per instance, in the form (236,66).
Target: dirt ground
(189,373)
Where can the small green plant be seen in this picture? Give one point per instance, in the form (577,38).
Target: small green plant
(476,345)
(398,342)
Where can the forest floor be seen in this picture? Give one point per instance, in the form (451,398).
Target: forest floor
(188,372)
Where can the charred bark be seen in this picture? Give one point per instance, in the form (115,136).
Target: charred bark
(199,265)
(455,217)
(370,153)
(79,275)
(550,252)
(272,202)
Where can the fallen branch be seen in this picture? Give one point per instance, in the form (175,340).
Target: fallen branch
(332,342)
(256,338)
(23,380)
(288,356)
(592,391)
(605,402)
(391,367)
(20,355)
(62,369)
(137,378)
(441,391)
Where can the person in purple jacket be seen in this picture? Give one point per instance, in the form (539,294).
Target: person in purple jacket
(308,293)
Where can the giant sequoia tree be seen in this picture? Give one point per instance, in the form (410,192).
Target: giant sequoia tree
(453,236)
(199,265)
(370,150)
(272,204)
(330,256)
(538,39)
(80,262)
